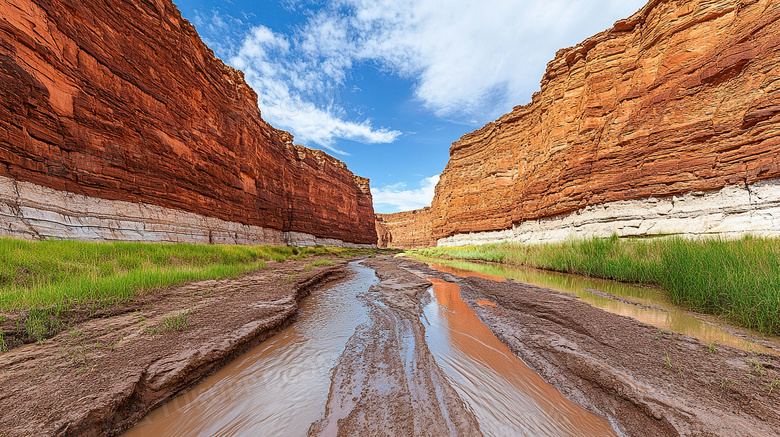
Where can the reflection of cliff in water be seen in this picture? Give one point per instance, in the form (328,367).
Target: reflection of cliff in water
(507,397)
(649,304)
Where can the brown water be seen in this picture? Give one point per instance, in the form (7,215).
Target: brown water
(280,387)
(507,397)
(664,315)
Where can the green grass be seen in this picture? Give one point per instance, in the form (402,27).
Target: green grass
(56,275)
(325,262)
(172,323)
(738,279)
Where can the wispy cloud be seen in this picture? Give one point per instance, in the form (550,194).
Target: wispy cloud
(394,198)
(470,61)
(298,84)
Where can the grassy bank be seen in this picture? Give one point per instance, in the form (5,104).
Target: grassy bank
(61,274)
(737,279)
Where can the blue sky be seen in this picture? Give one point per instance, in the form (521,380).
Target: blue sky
(388,85)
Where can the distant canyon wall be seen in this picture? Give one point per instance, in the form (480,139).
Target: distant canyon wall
(117,122)
(407,230)
(668,123)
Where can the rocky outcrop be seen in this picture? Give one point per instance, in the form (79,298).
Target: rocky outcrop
(117,122)
(408,230)
(678,103)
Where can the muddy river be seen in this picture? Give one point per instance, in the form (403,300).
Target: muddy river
(507,397)
(281,387)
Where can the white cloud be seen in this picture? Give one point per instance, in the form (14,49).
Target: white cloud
(394,198)
(470,61)
(300,94)
(472,58)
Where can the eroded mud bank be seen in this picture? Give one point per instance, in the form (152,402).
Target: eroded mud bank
(387,381)
(420,362)
(105,374)
(645,381)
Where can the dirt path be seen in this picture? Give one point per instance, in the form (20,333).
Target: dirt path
(645,381)
(386,381)
(105,374)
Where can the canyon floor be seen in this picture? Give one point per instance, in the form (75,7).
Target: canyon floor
(105,374)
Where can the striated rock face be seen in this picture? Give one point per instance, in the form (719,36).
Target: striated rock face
(681,99)
(383,236)
(120,101)
(408,230)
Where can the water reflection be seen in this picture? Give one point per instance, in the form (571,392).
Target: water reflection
(671,317)
(507,397)
(281,386)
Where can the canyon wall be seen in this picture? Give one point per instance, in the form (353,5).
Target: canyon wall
(407,230)
(117,122)
(668,123)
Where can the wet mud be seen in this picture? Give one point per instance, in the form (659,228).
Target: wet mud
(645,381)
(104,375)
(387,381)
(386,347)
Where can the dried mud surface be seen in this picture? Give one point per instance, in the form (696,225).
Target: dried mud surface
(105,374)
(386,381)
(645,381)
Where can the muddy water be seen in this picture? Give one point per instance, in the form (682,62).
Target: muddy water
(656,310)
(280,387)
(507,397)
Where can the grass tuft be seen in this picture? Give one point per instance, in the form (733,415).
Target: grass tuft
(3,346)
(323,263)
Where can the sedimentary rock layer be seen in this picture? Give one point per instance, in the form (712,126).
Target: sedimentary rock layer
(731,212)
(411,230)
(32,211)
(682,97)
(120,100)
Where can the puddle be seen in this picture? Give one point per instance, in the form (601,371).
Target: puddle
(507,397)
(668,317)
(281,386)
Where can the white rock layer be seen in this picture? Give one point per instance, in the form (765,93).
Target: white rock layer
(32,211)
(732,212)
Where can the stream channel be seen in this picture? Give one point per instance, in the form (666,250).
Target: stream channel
(281,387)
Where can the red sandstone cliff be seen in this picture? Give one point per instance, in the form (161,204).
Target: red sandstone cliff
(407,230)
(683,96)
(121,100)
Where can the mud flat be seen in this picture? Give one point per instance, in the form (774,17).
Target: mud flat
(383,352)
(643,380)
(105,374)
(384,347)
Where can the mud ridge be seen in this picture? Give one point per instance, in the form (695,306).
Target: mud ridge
(104,375)
(646,382)
(387,382)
